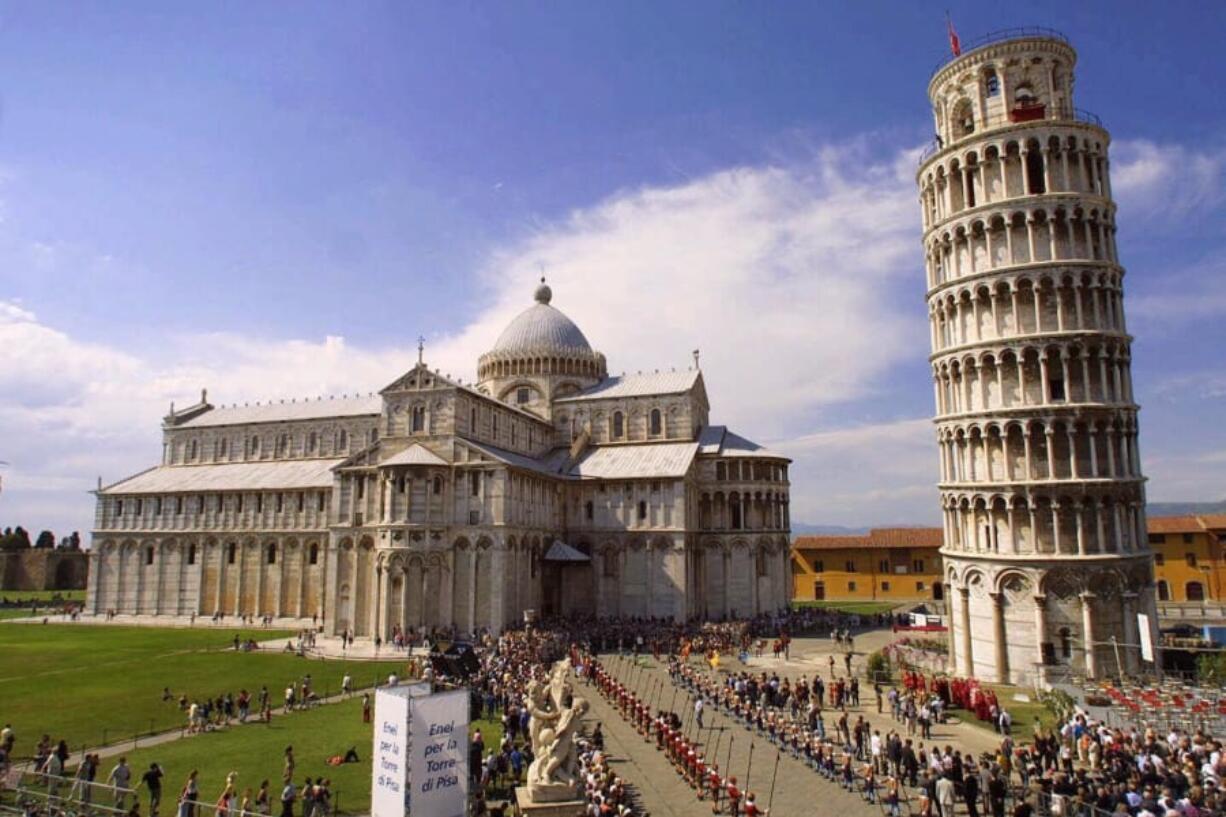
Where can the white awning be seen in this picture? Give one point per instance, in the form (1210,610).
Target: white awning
(559,551)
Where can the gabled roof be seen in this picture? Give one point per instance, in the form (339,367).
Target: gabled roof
(719,441)
(235,476)
(415,454)
(645,461)
(1213,521)
(638,385)
(318,409)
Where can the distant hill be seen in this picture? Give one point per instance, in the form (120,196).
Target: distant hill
(806,529)
(1184,508)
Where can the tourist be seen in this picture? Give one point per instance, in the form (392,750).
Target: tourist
(262,803)
(119,778)
(188,796)
(365,707)
(287,773)
(288,795)
(152,780)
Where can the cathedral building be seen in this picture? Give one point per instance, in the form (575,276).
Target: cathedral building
(549,485)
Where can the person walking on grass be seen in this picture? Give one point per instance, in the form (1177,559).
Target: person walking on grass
(262,803)
(287,774)
(120,777)
(152,780)
(189,795)
(288,795)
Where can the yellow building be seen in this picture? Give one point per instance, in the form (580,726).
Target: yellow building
(904,564)
(887,564)
(1188,557)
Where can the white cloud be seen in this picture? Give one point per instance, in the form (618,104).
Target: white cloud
(1166,180)
(800,283)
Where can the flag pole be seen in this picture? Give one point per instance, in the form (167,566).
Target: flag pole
(774,775)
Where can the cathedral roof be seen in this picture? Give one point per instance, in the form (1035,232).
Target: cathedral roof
(305,409)
(719,441)
(541,329)
(237,476)
(637,385)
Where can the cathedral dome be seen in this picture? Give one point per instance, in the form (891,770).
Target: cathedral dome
(542,329)
(541,341)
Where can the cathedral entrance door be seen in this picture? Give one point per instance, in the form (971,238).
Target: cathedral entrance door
(551,589)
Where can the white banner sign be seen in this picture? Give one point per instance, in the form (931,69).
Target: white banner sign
(438,755)
(1147,637)
(389,760)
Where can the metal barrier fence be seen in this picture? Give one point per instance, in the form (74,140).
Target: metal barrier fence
(42,795)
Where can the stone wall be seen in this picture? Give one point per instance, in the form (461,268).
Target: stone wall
(43,570)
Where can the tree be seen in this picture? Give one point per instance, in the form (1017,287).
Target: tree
(46,540)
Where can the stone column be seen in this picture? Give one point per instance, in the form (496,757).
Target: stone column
(998,632)
(1040,634)
(1087,632)
(968,658)
(1132,637)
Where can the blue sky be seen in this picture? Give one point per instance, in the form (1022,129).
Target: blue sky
(275,199)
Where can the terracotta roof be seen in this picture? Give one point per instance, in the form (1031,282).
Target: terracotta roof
(1213,521)
(875,539)
(1173,524)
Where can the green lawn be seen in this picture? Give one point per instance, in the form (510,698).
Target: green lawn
(91,684)
(1024,713)
(256,752)
(23,596)
(860,607)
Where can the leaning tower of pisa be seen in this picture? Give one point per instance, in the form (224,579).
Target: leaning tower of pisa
(1046,557)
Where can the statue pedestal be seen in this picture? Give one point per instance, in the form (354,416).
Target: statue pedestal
(565,808)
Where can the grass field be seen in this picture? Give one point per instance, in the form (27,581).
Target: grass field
(860,607)
(256,752)
(27,596)
(92,685)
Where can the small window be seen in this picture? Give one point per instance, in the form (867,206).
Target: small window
(474,483)
(192,449)
(1156,539)
(438,485)
(342,441)
(589,510)
(619,425)
(178,504)
(255,446)
(1056,387)
(523,395)
(1187,538)
(140,507)
(472,419)
(259,503)
(991,83)
(301,501)
(238,503)
(272,553)
(917,566)
(1190,558)
(320,501)
(721,471)
(851,587)
(372,436)
(220,504)
(231,553)
(657,424)
(1164,590)
(1159,559)
(191,553)
(1066,642)
(655,487)
(495,422)
(312,442)
(919,586)
(642,509)
(359,485)
(157,506)
(850,566)
(119,507)
(419,418)
(610,564)
(819,566)
(280,502)
(885,586)
(149,554)
(883,566)
(313,558)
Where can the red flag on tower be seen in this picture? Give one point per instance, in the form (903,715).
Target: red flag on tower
(955,45)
